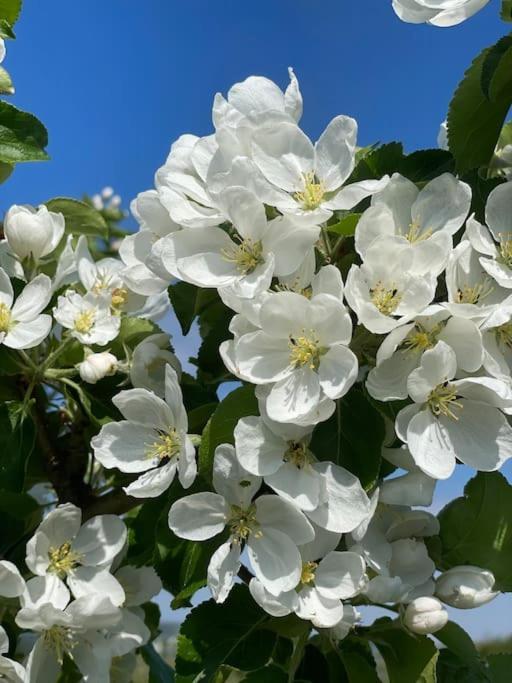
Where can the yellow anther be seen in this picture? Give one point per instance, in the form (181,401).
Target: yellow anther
(416,234)
(420,339)
(305,350)
(474,294)
(61,640)
(308,573)
(313,193)
(5,318)
(506,248)
(247,255)
(297,454)
(504,334)
(385,298)
(85,320)
(443,401)
(62,559)
(119,297)
(166,446)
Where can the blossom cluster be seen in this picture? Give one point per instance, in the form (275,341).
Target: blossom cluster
(251,212)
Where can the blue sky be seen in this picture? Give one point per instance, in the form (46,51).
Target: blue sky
(116,81)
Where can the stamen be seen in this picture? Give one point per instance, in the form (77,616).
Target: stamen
(305,351)
(85,320)
(475,294)
(443,400)
(166,446)
(386,299)
(506,248)
(504,334)
(61,640)
(297,454)
(119,297)
(62,559)
(420,339)
(247,255)
(308,573)
(5,318)
(415,234)
(243,523)
(313,193)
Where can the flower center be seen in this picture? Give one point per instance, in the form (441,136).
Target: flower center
(101,284)
(247,255)
(420,339)
(504,334)
(308,573)
(306,351)
(313,193)
(506,249)
(62,559)
(415,234)
(475,294)
(119,297)
(386,299)
(166,446)
(5,318)
(243,523)
(443,401)
(59,639)
(85,320)
(297,454)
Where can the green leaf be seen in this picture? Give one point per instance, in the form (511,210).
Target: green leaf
(81,218)
(229,634)
(455,638)
(20,515)
(239,403)
(477,528)
(22,136)
(17,437)
(454,669)
(352,437)
(269,674)
(346,226)
(10,10)
(407,657)
(500,666)
(6,31)
(189,301)
(380,161)
(474,119)
(6,86)
(5,171)
(426,164)
(358,669)
(132,332)
(506,10)
(159,670)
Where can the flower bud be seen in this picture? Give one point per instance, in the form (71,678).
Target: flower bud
(33,232)
(466,587)
(425,615)
(97,366)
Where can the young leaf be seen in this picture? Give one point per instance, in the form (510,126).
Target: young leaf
(506,10)
(346,226)
(477,528)
(81,219)
(10,10)
(22,136)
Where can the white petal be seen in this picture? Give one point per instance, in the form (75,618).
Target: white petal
(277,606)
(26,335)
(84,581)
(230,479)
(199,516)
(299,485)
(338,371)
(295,396)
(273,511)
(153,483)
(223,569)
(321,611)
(340,575)
(275,560)
(258,449)
(11,582)
(335,152)
(34,297)
(100,539)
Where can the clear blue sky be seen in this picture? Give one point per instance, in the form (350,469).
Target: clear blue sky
(116,81)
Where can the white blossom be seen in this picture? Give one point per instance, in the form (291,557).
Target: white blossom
(96,366)
(437,12)
(22,325)
(425,615)
(33,232)
(88,318)
(466,587)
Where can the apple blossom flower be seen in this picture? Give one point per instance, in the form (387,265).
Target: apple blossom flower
(385,291)
(88,318)
(260,249)
(10,671)
(148,363)
(426,219)
(33,233)
(425,615)
(454,419)
(466,587)
(269,527)
(302,350)
(79,554)
(437,12)
(151,441)
(22,325)
(96,366)
(309,180)
(12,584)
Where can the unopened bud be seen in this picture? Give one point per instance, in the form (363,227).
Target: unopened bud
(425,615)
(466,587)
(97,366)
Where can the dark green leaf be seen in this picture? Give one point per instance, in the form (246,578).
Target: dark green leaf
(269,674)
(132,332)
(17,436)
(346,226)
(506,10)
(475,120)
(358,669)
(213,635)
(81,218)
(188,301)
(239,403)
(10,10)
(407,657)
(458,641)
(6,31)
(22,136)
(477,528)
(453,669)
(501,667)
(159,670)
(20,516)
(426,164)
(352,437)
(380,161)
(5,171)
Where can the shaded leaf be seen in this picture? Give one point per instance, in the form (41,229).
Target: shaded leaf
(159,670)
(81,218)
(22,136)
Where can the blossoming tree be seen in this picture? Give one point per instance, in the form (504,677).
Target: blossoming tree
(360,302)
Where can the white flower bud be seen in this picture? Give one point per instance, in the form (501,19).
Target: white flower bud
(97,366)
(33,232)
(466,587)
(425,615)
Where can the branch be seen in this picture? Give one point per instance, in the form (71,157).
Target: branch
(116,502)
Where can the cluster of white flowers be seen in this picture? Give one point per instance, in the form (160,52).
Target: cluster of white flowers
(437,12)
(247,211)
